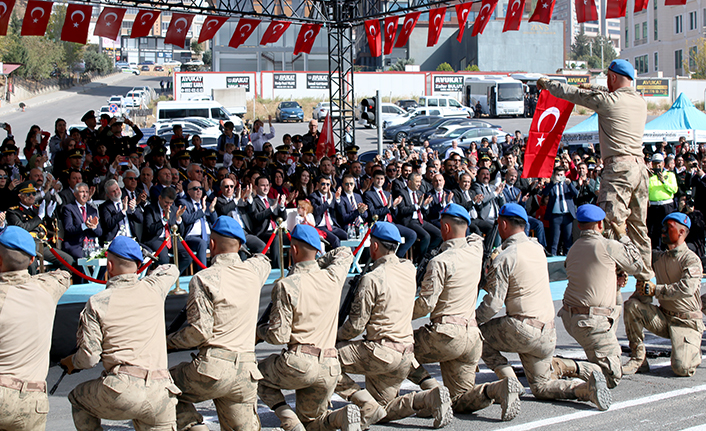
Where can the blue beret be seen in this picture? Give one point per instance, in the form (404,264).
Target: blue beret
(386,232)
(514,210)
(622,67)
(307,234)
(589,213)
(16,238)
(127,248)
(680,218)
(228,227)
(456,210)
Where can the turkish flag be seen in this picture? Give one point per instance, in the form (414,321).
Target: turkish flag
(390,33)
(5,15)
(641,5)
(513,18)
(144,20)
(543,11)
(674,2)
(274,32)
(372,30)
(243,31)
(78,18)
(178,27)
(486,10)
(210,27)
(436,22)
(306,38)
(548,124)
(462,16)
(36,18)
(109,22)
(326,145)
(410,20)
(615,8)
(586,10)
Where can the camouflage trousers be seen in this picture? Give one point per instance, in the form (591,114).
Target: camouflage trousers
(313,379)
(685,334)
(535,347)
(624,196)
(596,334)
(457,349)
(384,369)
(227,378)
(23,410)
(150,403)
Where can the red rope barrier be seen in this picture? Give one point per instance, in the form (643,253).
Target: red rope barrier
(289,236)
(191,253)
(269,242)
(147,265)
(367,234)
(72,269)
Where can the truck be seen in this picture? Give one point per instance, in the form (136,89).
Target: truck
(497,95)
(232,98)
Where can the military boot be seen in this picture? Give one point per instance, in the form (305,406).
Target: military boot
(507,393)
(562,367)
(289,420)
(346,418)
(439,401)
(427,384)
(595,391)
(637,362)
(370,410)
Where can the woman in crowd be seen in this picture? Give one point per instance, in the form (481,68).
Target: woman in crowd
(8,197)
(59,136)
(36,142)
(303,185)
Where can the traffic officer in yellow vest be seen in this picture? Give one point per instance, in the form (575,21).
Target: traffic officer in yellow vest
(678,316)
(662,186)
(590,312)
(123,326)
(519,280)
(304,317)
(222,316)
(383,307)
(449,292)
(27,306)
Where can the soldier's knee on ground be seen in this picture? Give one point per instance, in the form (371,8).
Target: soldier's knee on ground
(686,360)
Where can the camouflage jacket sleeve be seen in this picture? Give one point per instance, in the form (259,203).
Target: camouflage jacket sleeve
(361,309)
(89,338)
(162,279)
(279,330)
(626,255)
(260,264)
(55,282)
(597,98)
(432,286)
(497,285)
(337,263)
(690,281)
(199,314)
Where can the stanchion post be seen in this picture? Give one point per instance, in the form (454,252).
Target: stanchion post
(280,233)
(41,256)
(175,249)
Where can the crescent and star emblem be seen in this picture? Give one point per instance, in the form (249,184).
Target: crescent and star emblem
(487,5)
(36,19)
(372,30)
(179,29)
(435,21)
(274,29)
(4,8)
(105,18)
(390,27)
(512,7)
(209,22)
(308,34)
(244,29)
(145,19)
(553,111)
(77,23)
(464,14)
(410,22)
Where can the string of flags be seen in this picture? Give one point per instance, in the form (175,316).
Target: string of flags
(78,17)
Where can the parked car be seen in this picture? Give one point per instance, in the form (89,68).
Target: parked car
(159,68)
(135,99)
(148,91)
(389,111)
(464,139)
(146,63)
(172,63)
(131,69)
(407,104)
(396,120)
(289,111)
(104,110)
(396,133)
(449,106)
(322,109)
(145,68)
(449,124)
(177,110)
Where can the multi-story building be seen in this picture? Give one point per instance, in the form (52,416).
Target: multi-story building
(565,10)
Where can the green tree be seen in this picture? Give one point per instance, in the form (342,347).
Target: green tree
(444,67)
(399,66)
(697,59)
(472,68)
(196,47)
(71,54)
(97,61)
(207,57)
(588,49)
(37,55)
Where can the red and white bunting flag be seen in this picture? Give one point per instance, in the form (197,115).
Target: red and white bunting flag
(586,10)
(243,31)
(306,38)
(410,20)
(641,5)
(674,2)
(144,20)
(326,146)
(78,18)
(36,18)
(178,27)
(436,22)
(390,33)
(274,32)
(615,8)
(109,22)
(210,27)
(543,11)
(5,15)
(513,18)
(486,10)
(372,30)
(462,16)
(548,124)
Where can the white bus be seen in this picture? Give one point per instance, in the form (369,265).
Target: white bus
(497,95)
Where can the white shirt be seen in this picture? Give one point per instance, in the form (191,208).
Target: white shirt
(412,196)
(124,222)
(235,213)
(196,228)
(258,139)
(326,214)
(452,150)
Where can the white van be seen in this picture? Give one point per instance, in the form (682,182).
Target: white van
(196,108)
(447,106)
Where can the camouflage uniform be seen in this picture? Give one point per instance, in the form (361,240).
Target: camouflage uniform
(304,315)
(222,318)
(27,306)
(678,316)
(590,312)
(128,336)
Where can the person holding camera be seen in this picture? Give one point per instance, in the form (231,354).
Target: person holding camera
(662,186)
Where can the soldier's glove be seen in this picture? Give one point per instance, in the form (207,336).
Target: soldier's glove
(645,288)
(67,364)
(541,83)
(619,229)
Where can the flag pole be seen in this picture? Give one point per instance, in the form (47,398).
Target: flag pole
(378,120)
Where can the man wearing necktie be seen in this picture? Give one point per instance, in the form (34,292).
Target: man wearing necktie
(489,199)
(411,213)
(264,213)
(561,210)
(351,205)
(197,219)
(80,221)
(324,203)
(159,218)
(119,215)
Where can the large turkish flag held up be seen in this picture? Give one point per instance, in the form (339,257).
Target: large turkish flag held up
(410,20)
(36,18)
(274,32)
(210,27)
(243,31)
(486,10)
(390,33)
(462,16)
(109,22)
(326,145)
(78,18)
(178,27)
(543,11)
(5,15)
(586,10)
(305,39)
(548,124)
(513,18)
(143,23)
(436,22)
(372,31)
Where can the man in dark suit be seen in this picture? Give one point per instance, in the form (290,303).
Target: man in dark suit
(324,202)
(198,218)
(400,183)
(67,193)
(410,213)
(440,198)
(561,210)
(164,180)
(119,214)
(487,207)
(80,222)
(159,218)
(238,205)
(351,205)
(264,214)
(380,204)
(466,197)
